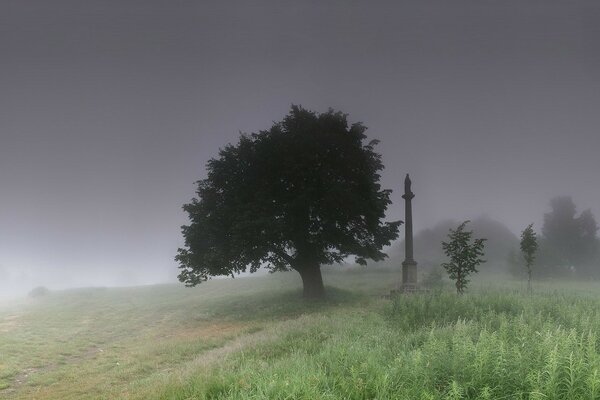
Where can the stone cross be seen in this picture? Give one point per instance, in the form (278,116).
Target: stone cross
(409,266)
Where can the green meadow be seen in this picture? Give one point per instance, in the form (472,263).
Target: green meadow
(255,338)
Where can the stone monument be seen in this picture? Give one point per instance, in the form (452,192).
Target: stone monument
(409,266)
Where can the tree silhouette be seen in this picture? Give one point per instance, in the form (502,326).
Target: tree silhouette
(465,255)
(529,246)
(304,193)
(569,240)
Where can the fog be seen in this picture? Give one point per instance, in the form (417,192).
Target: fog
(110,110)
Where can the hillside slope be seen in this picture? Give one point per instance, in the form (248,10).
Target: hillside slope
(255,338)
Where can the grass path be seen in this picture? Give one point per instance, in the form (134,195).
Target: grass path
(487,345)
(256,339)
(116,343)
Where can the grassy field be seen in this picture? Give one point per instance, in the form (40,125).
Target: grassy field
(255,338)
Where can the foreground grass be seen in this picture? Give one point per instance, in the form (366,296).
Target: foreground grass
(112,343)
(434,346)
(256,339)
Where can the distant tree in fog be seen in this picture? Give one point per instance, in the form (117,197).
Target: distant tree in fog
(39,291)
(465,255)
(561,231)
(514,263)
(529,246)
(589,244)
(570,241)
(304,193)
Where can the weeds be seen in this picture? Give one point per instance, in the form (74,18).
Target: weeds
(256,340)
(494,345)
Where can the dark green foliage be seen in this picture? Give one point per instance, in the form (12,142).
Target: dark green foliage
(589,245)
(304,193)
(465,255)
(529,246)
(569,241)
(561,232)
(39,291)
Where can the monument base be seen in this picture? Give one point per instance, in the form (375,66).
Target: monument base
(409,276)
(409,281)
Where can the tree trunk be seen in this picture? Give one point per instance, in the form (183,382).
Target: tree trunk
(529,288)
(312,281)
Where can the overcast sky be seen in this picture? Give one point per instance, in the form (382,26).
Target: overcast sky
(109,111)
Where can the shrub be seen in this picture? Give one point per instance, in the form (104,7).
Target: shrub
(39,291)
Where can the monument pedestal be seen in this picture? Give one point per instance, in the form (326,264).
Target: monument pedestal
(409,276)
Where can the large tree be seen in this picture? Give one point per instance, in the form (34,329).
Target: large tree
(561,232)
(589,245)
(570,240)
(302,194)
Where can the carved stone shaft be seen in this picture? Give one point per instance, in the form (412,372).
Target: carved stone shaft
(409,266)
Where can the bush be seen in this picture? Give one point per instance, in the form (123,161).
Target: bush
(39,291)
(434,279)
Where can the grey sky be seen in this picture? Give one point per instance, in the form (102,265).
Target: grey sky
(110,109)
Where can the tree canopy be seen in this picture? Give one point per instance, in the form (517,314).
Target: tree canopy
(464,255)
(529,246)
(303,193)
(569,241)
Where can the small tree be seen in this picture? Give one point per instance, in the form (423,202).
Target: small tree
(529,246)
(465,255)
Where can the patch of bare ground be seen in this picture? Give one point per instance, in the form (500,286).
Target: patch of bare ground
(9,323)
(241,342)
(213,330)
(22,377)
(19,380)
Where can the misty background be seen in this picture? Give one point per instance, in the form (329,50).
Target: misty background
(109,111)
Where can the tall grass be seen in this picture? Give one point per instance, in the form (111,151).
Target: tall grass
(492,345)
(256,338)
(502,345)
